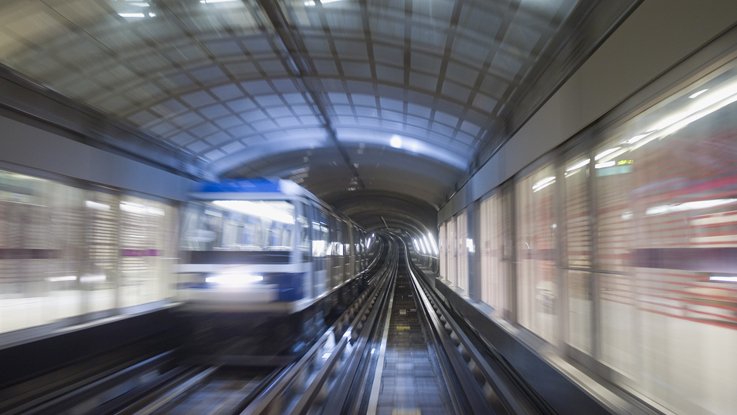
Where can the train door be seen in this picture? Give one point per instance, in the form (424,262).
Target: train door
(351,263)
(304,247)
(336,249)
(319,250)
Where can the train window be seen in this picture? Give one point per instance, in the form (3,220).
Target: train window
(319,235)
(305,237)
(239,225)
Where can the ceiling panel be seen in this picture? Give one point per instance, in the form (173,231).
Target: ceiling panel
(421,86)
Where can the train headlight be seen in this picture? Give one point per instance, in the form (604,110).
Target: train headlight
(232,279)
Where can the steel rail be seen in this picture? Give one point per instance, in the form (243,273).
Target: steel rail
(304,388)
(480,369)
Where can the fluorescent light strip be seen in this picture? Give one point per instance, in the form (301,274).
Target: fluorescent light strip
(723,278)
(92,278)
(578,165)
(543,183)
(681,207)
(62,279)
(141,209)
(700,108)
(605,164)
(606,153)
(696,94)
(312,3)
(96,205)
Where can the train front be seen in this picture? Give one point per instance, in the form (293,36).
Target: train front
(239,249)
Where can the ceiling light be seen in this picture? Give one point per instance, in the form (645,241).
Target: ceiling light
(312,3)
(695,205)
(396,141)
(610,163)
(62,279)
(543,183)
(141,209)
(638,137)
(96,205)
(578,165)
(132,15)
(696,94)
(723,278)
(606,153)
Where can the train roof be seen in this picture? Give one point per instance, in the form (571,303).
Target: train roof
(257,185)
(263,186)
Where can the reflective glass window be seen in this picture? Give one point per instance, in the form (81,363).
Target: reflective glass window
(666,205)
(577,252)
(493,272)
(537,290)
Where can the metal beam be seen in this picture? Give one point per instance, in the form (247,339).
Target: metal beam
(298,61)
(36,105)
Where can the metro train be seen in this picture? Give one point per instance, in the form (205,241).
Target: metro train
(264,245)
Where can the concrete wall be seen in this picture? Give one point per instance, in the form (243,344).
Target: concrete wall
(658,35)
(27,146)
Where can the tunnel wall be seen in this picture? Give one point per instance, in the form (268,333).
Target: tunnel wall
(658,35)
(28,149)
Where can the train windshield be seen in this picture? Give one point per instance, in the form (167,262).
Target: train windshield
(238,225)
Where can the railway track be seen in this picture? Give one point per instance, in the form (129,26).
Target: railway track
(397,347)
(401,350)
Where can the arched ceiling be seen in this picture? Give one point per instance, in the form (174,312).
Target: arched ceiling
(355,99)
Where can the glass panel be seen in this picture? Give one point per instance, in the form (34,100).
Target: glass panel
(304,232)
(493,269)
(40,241)
(536,288)
(146,253)
(578,232)
(452,271)
(579,310)
(667,212)
(443,242)
(578,251)
(320,240)
(101,264)
(239,225)
(335,253)
(463,247)
(619,321)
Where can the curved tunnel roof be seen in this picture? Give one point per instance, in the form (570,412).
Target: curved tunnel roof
(379,107)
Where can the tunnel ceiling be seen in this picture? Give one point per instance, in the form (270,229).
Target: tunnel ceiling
(351,98)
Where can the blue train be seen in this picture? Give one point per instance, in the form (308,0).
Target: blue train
(264,245)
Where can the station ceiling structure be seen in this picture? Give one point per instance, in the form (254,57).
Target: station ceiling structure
(380,107)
